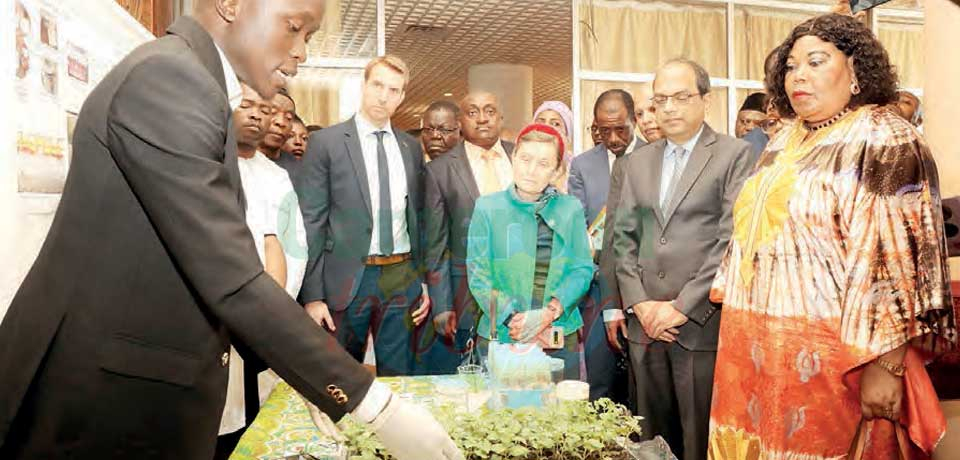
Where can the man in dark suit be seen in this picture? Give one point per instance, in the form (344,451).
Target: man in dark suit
(452,188)
(117,346)
(589,181)
(673,225)
(360,192)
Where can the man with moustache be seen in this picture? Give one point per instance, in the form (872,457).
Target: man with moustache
(647,115)
(128,357)
(478,166)
(673,224)
(362,201)
(590,173)
(441,129)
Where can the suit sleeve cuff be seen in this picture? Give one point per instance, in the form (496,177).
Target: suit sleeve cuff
(373,403)
(613,314)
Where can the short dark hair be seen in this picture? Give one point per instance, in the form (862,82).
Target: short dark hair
(297,119)
(701,74)
(616,93)
(443,105)
(871,64)
(312,128)
(283,92)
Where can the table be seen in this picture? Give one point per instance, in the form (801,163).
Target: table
(283,426)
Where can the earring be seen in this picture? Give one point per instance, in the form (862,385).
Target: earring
(854,88)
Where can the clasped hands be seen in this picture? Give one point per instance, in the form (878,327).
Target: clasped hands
(660,320)
(526,326)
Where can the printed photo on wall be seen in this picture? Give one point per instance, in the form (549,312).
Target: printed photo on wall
(41,163)
(48,31)
(48,76)
(23,34)
(78,66)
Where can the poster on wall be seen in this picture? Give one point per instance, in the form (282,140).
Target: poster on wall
(40,148)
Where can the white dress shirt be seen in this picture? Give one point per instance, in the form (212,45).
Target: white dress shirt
(398,184)
(501,165)
(611,157)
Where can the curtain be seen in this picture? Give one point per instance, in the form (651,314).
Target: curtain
(757,31)
(316,93)
(622,36)
(904,44)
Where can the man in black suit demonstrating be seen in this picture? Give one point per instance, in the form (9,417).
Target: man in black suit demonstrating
(360,192)
(477,166)
(116,344)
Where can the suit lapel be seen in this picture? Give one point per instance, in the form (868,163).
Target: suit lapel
(698,160)
(409,166)
(465,172)
(655,172)
(352,141)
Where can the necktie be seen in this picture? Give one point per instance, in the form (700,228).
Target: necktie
(674,177)
(489,183)
(385,213)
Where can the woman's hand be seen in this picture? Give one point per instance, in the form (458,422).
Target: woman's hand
(881,393)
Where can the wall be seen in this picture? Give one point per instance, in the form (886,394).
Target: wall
(106,33)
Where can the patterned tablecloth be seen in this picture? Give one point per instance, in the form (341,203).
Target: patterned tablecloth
(283,427)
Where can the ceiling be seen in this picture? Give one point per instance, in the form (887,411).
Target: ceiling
(441,39)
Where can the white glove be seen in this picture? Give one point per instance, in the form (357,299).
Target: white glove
(409,432)
(324,423)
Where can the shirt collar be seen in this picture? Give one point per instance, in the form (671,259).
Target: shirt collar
(687,146)
(633,145)
(474,150)
(365,127)
(234,91)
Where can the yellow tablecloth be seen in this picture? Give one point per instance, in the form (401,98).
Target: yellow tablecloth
(283,427)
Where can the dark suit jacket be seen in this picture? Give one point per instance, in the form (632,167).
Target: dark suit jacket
(335,201)
(114,345)
(673,254)
(451,192)
(591,181)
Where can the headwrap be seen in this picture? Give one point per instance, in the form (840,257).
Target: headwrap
(546,129)
(565,113)
(754,102)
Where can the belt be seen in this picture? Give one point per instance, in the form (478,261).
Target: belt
(392,259)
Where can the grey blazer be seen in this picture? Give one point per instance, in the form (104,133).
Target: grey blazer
(451,192)
(335,201)
(116,344)
(673,254)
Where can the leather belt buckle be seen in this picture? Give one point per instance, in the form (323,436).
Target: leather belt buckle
(392,259)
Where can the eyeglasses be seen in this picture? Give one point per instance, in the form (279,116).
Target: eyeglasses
(770,123)
(430,131)
(681,98)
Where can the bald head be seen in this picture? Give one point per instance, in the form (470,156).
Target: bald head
(481,119)
(264,40)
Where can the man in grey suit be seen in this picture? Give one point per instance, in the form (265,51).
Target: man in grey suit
(361,196)
(673,225)
(589,181)
(452,188)
(128,356)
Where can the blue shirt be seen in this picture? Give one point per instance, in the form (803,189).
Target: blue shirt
(672,161)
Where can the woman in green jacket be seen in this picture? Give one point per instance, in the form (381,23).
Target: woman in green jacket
(528,260)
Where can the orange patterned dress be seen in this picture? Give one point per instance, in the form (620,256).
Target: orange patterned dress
(837,257)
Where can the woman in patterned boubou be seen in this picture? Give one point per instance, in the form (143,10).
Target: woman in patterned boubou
(835,286)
